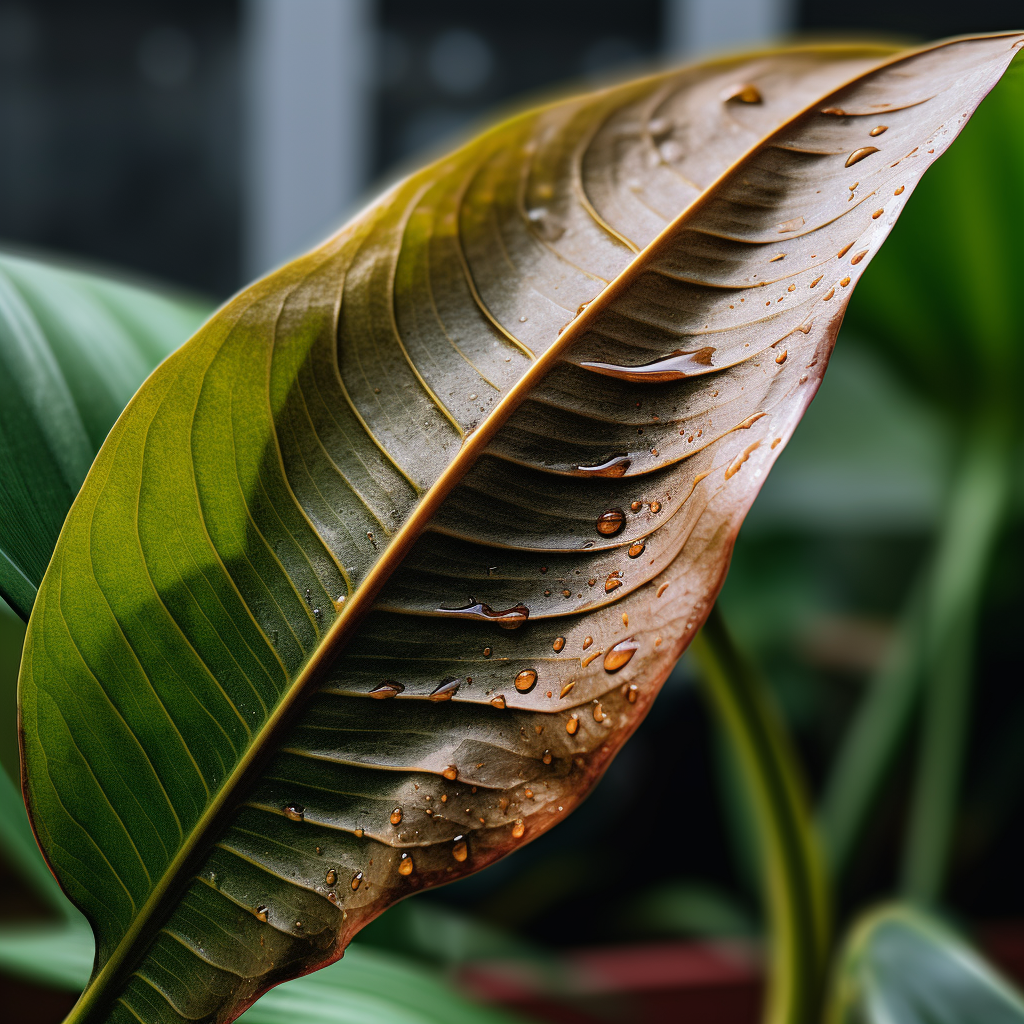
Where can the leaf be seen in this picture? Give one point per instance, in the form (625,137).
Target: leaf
(74,348)
(393,468)
(903,967)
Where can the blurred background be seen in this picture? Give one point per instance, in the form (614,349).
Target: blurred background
(201,144)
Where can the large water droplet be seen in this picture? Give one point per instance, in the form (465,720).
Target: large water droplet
(858,154)
(675,366)
(613,468)
(405,865)
(877,130)
(459,848)
(396,816)
(526,680)
(572,724)
(498,702)
(510,618)
(611,584)
(445,690)
(599,715)
(559,644)
(450,773)
(518,829)
(620,654)
(386,689)
(611,522)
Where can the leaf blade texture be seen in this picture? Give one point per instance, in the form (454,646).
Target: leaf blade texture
(379,570)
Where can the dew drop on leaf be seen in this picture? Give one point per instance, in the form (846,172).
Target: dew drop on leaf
(611,522)
(405,865)
(459,849)
(396,816)
(526,680)
(620,654)
(295,812)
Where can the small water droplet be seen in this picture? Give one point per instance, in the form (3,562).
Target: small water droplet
(445,690)
(450,773)
(567,689)
(487,652)
(518,829)
(459,849)
(611,522)
(625,619)
(358,833)
(592,581)
(572,724)
(845,281)
(295,812)
(357,880)
(620,654)
(498,702)
(546,758)
(899,191)
(636,506)
(611,584)
(631,693)
(636,549)
(522,319)
(816,280)
(261,914)
(775,259)
(613,468)
(877,214)
(745,93)
(558,644)
(834,111)
(781,357)
(526,680)
(828,295)
(405,865)
(856,259)
(332,896)
(662,589)
(587,641)
(858,154)
(566,593)
(877,130)
(331,877)
(655,507)
(599,715)
(396,816)
(388,688)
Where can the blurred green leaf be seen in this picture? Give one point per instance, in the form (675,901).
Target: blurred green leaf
(688,908)
(74,348)
(902,967)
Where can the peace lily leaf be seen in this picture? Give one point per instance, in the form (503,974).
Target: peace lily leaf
(484,453)
(902,967)
(73,349)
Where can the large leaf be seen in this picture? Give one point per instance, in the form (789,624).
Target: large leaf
(484,453)
(902,967)
(74,348)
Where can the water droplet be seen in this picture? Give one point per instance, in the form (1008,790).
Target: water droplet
(386,689)
(472,398)
(611,584)
(510,618)
(745,93)
(487,652)
(567,689)
(611,522)
(558,644)
(662,589)
(396,816)
(526,680)
(899,191)
(295,812)
(636,549)
(498,702)
(780,256)
(445,690)
(828,295)
(620,654)
(636,506)
(625,619)
(566,593)
(405,865)
(261,914)
(332,896)
(358,833)
(859,154)
(599,715)
(572,724)
(816,280)
(357,880)
(613,468)
(632,693)
(877,214)
(781,357)
(459,849)
(877,130)
(592,581)
(835,111)
(741,458)
(675,366)
(790,225)
(845,281)
(450,773)
(655,507)
(546,758)
(587,641)
(369,537)
(518,829)
(331,877)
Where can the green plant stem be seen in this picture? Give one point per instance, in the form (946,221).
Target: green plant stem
(795,890)
(976,512)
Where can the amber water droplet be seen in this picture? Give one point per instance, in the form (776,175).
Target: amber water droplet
(510,618)
(358,833)
(625,619)
(261,914)
(636,506)
(331,877)
(834,111)
(781,357)
(877,214)
(386,689)
(587,641)
(845,249)
(631,693)
(572,724)
(591,582)
(662,589)
(856,259)
(332,896)
(459,849)
(558,644)
(828,295)
(675,366)
(445,690)
(655,507)
(567,688)
(357,880)
(816,280)
(845,281)
(877,130)
(610,522)
(613,468)
(450,773)
(745,93)
(620,654)
(294,811)
(547,757)
(405,865)
(526,680)
(487,652)
(518,829)
(498,702)
(636,549)
(566,593)
(396,816)
(776,258)
(611,584)
(899,191)
(858,154)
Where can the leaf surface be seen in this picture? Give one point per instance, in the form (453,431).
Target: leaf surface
(74,347)
(377,572)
